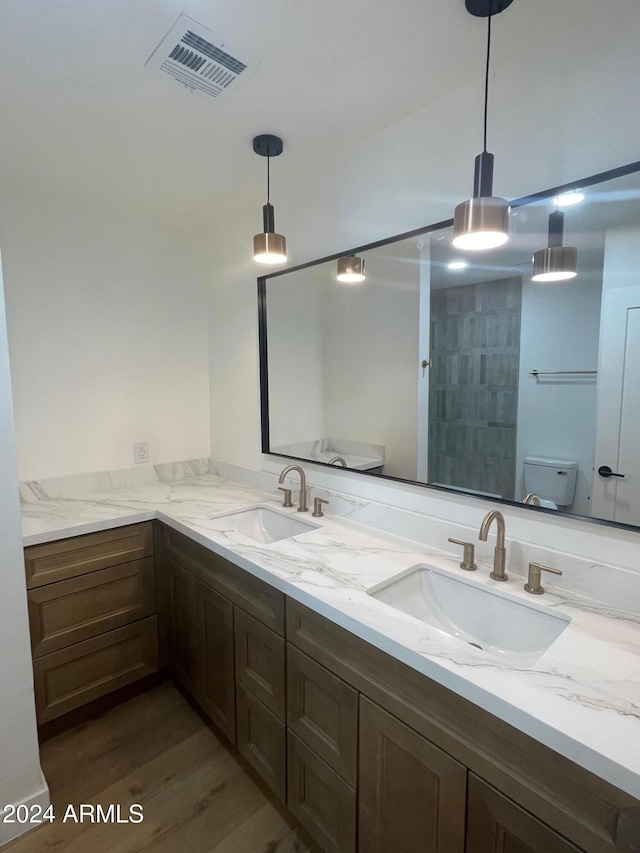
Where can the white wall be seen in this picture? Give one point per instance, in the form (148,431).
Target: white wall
(621,257)
(545,130)
(371,357)
(560,330)
(295,319)
(108,330)
(21,779)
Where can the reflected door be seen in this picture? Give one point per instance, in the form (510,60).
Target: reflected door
(616,496)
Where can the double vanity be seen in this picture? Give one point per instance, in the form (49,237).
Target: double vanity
(393,697)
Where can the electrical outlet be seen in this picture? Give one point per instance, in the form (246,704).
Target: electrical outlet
(140,451)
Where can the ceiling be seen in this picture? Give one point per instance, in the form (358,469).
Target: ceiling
(82,115)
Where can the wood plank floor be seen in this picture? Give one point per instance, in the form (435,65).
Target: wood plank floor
(157,751)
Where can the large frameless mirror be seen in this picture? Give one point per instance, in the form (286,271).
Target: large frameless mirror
(459,370)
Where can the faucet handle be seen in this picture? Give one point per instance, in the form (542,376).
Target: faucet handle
(468,562)
(287,502)
(533,585)
(317,507)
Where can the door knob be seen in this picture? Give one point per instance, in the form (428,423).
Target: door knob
(605,471)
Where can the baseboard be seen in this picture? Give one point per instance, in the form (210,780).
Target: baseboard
(9,831)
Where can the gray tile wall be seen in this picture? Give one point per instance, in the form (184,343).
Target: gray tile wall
(473,385)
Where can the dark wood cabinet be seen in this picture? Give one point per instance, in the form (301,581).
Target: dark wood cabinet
(323,711)
(411,794)
(497,825)
(262,739)
(183,626)
(79,555)
(85,606)
(214,658)
(92,606)
(260,662)
(335,726)
(321,800)
(71,677)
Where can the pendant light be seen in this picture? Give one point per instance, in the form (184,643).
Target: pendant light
(556,262)
(482,222)
(269,247)
(351,269)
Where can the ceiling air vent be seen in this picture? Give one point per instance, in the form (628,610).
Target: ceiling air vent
(197,58)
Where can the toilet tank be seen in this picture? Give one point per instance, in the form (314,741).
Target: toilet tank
(551,479)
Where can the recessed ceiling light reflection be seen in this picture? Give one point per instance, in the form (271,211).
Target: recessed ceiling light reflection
(568,199)
(457,265)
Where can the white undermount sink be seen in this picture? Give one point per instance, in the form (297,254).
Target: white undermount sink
(502,626)
(262,524)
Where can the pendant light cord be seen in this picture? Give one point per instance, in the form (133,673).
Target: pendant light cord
(268,179)
(486,75)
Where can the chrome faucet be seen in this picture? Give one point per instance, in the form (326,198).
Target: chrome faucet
(302,502)
(338,460)
(531,498)
(499,554)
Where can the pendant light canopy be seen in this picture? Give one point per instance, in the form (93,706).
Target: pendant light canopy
(482,222)
(269,247)
(556,262)
(351,269)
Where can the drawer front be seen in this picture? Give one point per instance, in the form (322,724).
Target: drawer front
(250,593)
(214,654)
(76,675)
(68,612)
(263,742)
(69,558)
(323,802)
(323,711)
(260,662)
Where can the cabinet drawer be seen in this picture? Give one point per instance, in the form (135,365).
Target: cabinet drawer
(71,677)
(68,558)
(70,611)
(323,802)
(262,601)
(323,711)
(497,824)
(260,662)
(262,740)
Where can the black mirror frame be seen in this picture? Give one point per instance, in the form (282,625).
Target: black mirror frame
(598,178)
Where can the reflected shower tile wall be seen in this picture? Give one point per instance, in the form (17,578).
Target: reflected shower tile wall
(473,385)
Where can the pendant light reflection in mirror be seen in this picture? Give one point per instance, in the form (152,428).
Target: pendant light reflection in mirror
(350,269)
(556,262)
(482,222)
(269,247)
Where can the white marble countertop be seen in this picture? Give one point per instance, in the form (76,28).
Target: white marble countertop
(581,698)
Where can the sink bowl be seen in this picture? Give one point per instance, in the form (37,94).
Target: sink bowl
(489,619)
(262,524)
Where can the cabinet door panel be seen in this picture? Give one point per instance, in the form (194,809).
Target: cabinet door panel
(263,742)
(214,643)
(183,615)
(260,662)
(323,711)
(323,802)
(497,825)
(412,794)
